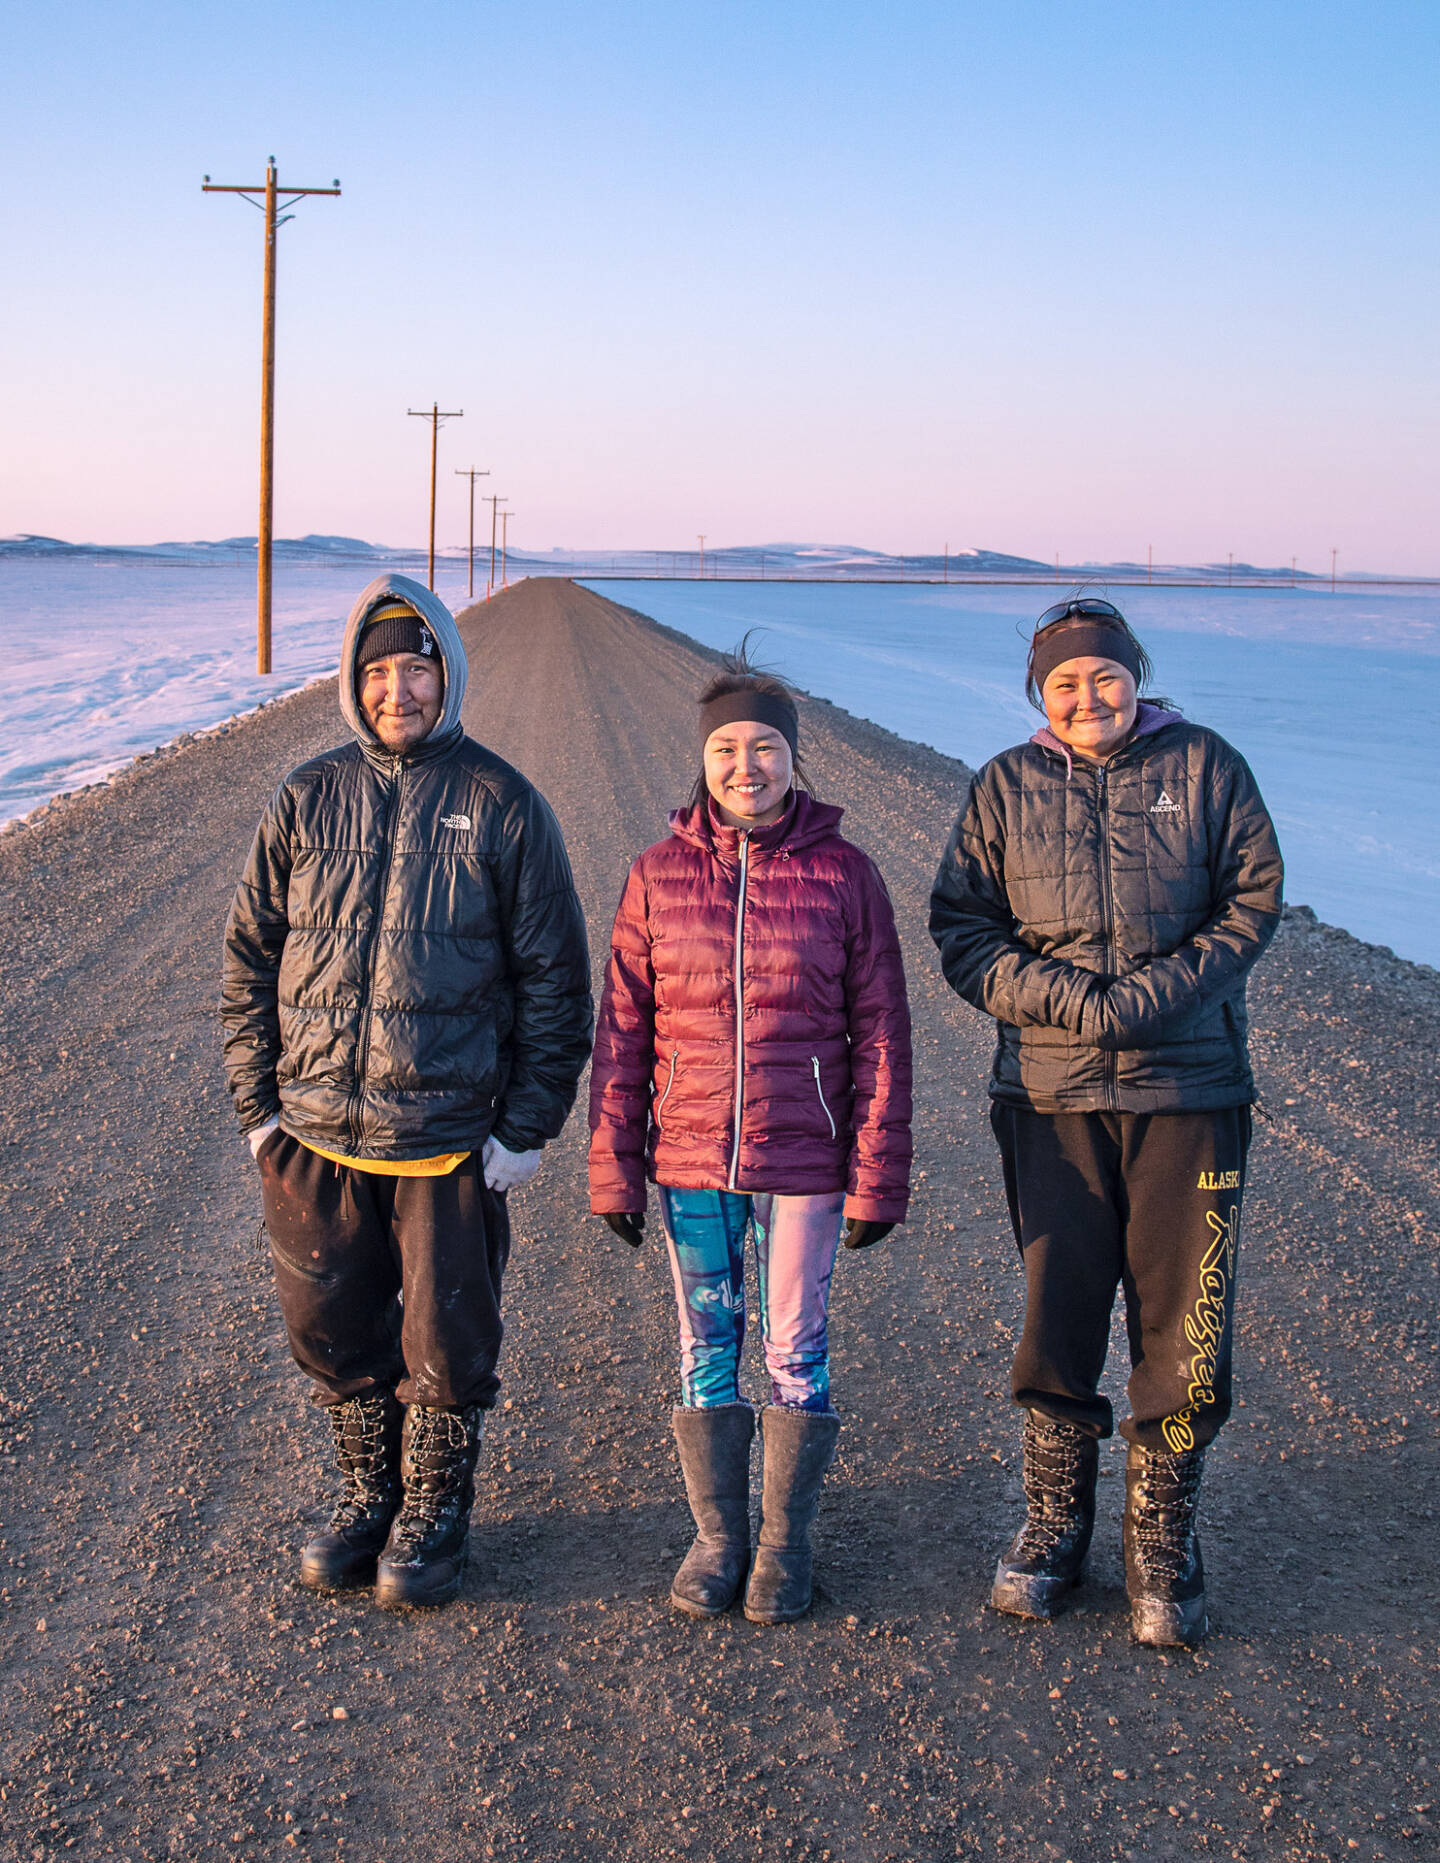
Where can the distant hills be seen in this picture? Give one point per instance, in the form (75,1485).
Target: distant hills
(800,561)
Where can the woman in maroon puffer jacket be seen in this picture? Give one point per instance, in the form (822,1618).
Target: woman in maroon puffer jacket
(753,1059)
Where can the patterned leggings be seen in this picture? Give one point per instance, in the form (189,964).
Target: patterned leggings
(795,1241)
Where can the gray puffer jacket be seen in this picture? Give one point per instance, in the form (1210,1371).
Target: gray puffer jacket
(1107,916)
(405,963)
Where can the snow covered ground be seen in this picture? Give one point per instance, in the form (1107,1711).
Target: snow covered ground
(108,658)
(1324,694)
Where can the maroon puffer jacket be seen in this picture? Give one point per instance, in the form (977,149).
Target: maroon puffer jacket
(819,1083)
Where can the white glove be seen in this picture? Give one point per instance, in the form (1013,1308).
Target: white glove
(507,1170)
(257,1135)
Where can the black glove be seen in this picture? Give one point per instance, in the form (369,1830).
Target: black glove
(627,1225)
(860,1234)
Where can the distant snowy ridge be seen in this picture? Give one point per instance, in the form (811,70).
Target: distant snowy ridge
(741,561)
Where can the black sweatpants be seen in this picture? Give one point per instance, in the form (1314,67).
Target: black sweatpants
(346,1244)
(1146,1201)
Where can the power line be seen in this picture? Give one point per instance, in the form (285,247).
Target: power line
(275,217)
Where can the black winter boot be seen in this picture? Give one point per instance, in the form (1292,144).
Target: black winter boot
(1045,1559)
(424,1560)
(367,1448)
(714,1447)
(1164,1573)
(799,1445)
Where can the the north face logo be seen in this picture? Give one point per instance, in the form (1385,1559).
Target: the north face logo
(1165,806)
(454,821)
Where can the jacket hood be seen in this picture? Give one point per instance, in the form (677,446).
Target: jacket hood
(452,655)
(804,821)
(1148,720)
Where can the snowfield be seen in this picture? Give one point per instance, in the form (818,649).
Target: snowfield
(111,657)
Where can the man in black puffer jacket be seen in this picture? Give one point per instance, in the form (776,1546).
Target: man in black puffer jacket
(407,1013)
(1105,892)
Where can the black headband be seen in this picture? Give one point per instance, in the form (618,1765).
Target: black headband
(395,633)
(752,707)
(1081,639)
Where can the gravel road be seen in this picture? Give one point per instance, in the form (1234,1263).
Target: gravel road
(170,1692)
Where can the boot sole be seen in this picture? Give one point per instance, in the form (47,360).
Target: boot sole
(392,1595)
(1020,1594)
(1161,1624)
(692,1609)
(778,1617)
(355,1581)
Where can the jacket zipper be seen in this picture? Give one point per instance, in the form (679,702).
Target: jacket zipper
(362,1050)
(739,1007)
(1107,883)
(660,1106)
(815,1065)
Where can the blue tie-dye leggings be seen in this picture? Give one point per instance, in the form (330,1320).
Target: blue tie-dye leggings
(795,1240)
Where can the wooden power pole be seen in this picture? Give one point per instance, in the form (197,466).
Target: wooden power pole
(434,416)
(505,517)
(275,217)
(494,503)
(472,474)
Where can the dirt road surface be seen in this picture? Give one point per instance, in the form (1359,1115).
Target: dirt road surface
(170,1692)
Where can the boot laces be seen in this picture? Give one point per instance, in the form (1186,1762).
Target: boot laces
(439,1459)
(366,1448)
(1055,1484)
(1166,1502)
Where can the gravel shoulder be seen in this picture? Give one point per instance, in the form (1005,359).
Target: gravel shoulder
(171,1693)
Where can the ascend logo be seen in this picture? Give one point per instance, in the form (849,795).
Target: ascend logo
(1166,805)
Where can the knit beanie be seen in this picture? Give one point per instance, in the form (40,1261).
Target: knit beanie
(395,627)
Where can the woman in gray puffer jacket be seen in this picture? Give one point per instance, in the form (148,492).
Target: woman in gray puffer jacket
(1105,891)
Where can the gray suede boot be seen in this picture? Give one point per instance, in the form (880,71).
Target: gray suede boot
(799,1446)
(714,1447)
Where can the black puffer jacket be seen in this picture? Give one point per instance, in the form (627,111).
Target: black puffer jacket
(405,963)
(1107,916)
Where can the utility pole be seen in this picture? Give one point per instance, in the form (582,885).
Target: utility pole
(702,557)
(472,473)
(1293,561)
(275,217)
(434,416)
(1333,555)
(505,517)
(947,562)
(1230,570)
(494,504)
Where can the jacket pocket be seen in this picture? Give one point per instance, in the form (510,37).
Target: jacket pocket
(815,1069)
(670,1082)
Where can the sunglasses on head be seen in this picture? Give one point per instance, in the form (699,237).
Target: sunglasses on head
(1082,605)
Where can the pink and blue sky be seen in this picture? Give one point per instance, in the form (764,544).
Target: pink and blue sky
(1043,277)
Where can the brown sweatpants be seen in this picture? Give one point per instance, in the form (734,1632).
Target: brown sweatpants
(1148,1202)
(348,1244)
